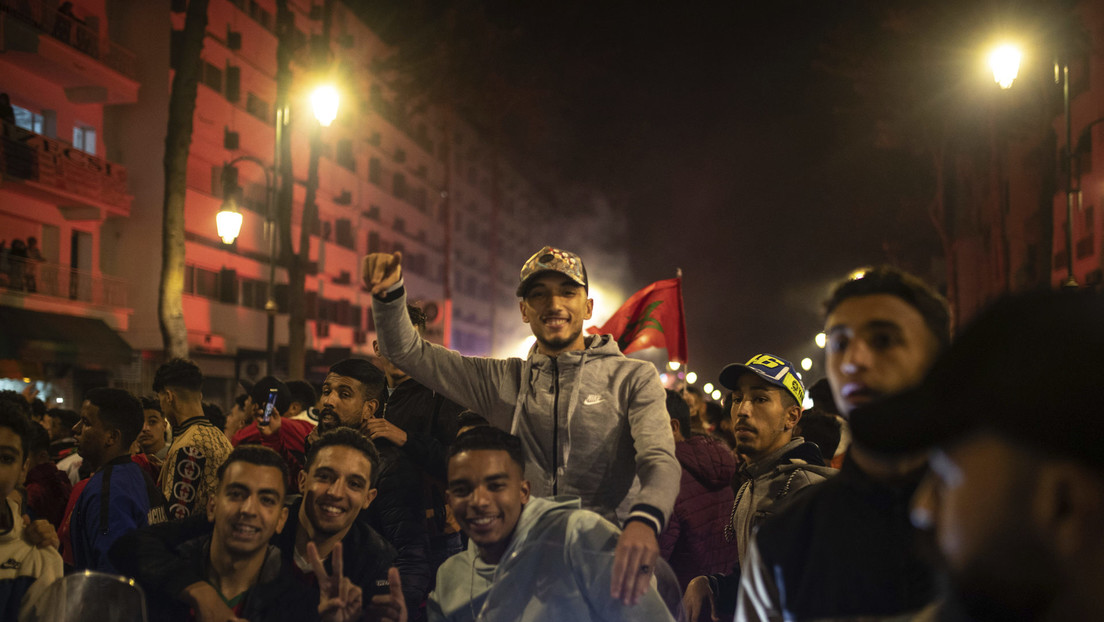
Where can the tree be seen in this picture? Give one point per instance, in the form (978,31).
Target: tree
(298,263)
(186,51)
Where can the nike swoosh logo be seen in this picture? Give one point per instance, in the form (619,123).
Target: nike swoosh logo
(593,399)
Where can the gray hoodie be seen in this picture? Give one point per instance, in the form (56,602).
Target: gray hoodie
(589,420)
(557,568)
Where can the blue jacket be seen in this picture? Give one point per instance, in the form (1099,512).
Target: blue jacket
(118,498)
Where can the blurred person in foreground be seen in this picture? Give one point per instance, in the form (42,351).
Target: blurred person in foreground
(1014,495)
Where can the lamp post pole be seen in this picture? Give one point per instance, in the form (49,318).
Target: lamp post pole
(1070,280)
(270,230)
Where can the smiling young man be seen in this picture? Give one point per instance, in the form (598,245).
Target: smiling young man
(352,395)
(338,482)
(528,559)
(764,403)
(845,549)
(591,420)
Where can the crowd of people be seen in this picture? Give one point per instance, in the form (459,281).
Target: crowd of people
(934,478)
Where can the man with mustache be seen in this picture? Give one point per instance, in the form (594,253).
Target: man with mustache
(352,394)
(845,549)
(764,402)
(591,420)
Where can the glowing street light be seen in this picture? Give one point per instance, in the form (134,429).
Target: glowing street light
(228,221)
(821,340)
(325,100)
(674,365)
(708,388)
(691,377)
(1005,63)
(716,395)
(806,363)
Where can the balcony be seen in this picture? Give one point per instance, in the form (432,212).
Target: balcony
(91,68)
(29,277)
(83,186)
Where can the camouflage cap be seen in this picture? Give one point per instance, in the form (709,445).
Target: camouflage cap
(550,259)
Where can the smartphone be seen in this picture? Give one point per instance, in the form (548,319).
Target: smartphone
(266,417)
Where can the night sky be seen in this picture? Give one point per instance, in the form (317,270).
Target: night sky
(723,145)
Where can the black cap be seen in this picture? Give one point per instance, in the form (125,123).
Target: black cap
(1028,369)
(259,392)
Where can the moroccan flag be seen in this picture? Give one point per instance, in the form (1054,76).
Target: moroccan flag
(652,318)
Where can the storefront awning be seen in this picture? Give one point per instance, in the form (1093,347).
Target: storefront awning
(27,335)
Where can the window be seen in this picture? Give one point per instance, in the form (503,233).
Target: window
(345,156)
(212,76)
(28,120)
(398,186)
(257,107)
(206,283)
(375,171)
(374,245)
(84,138)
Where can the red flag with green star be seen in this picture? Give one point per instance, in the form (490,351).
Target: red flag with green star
(651,318)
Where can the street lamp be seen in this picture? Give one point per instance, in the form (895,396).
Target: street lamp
(229,221)
(1005,62)
(324,101)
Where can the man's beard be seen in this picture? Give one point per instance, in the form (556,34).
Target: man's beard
(328,420)
(560,343)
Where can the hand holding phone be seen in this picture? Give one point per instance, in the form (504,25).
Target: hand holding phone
(266,416)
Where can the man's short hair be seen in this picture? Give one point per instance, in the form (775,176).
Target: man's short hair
(417,317)
(214,414)
(346,437)
(150,402)
(68,418)
(489,438)
(822,429)
(17,400)
(239,401)
(118,410)
(13,418)
(679,410)
(371,377)
(38,440)
(932,307)
(178,374)
(470,419)
(302,392)
(258,455)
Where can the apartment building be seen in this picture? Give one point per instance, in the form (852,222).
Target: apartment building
(61,311)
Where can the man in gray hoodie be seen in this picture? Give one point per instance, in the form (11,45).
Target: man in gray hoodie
(589,418)
(528,559)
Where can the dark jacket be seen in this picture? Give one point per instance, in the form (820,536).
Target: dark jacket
(843,549)
(119,498)
(277,596)
(694,541)
(151,556)
(397,514)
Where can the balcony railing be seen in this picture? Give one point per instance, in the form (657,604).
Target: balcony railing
(27,156)
(71,31)
(58,281)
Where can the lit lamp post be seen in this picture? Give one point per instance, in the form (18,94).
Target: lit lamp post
(229,222)
(1005,63)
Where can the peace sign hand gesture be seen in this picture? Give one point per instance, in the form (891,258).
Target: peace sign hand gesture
(339,599)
